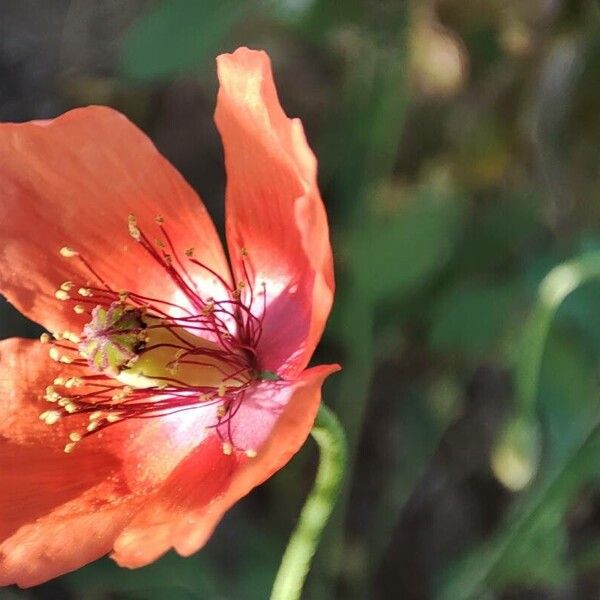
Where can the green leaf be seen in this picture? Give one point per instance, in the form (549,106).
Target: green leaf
(170,577)
(179,35)
(471,317)
(393,259)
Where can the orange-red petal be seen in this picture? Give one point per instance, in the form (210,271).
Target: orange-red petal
(43,491)
(274,210)
(25,371)
(207,483)
(72,181)
(69,536)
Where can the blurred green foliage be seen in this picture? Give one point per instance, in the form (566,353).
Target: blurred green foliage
(458,151)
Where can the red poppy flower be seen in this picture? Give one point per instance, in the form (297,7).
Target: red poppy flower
(177,383)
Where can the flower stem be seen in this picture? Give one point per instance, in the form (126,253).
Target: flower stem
(301,548)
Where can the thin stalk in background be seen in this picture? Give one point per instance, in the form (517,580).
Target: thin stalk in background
(517,455)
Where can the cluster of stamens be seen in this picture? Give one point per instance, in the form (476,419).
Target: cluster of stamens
(141,357)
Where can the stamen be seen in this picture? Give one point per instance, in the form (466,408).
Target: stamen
(68,252)
(50,417)
(151,357)
(62,295)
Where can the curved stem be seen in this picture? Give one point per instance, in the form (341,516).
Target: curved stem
(295,563)
(554,289)
(517,453)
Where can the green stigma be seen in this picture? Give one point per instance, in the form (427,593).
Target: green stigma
(114,338)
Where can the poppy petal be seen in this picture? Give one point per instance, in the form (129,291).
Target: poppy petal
(276,223)
(41,487)
(207,483)
(26,372)
(43,549)
(72,181)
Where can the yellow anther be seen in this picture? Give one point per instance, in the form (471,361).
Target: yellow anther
(62,295)
(63,402)
(227,449)
(221,411)
(54,354)
(222,390)
(79,309)
(250,453)
(73,382)
(65,360)
(67,286)
(84,292)
(134,231)
(69,447)
(92,426)
(71,337)
(44,338)
(122,393)
(243,251)
(59,381)
(71,408)
(67,252)
(75,436)
(50,417)
(113,417)
(95,416)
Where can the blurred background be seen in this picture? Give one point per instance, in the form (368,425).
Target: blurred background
(459,162)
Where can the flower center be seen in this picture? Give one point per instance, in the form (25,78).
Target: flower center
(141,357)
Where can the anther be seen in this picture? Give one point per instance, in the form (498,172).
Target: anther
(113,417)
(79,309)
(67,286)
(250,453)
(50,417)
(59,381)
(84,292)
(71,337)
(67,252)
(75,436)
(227,449)
(73,382)
(44,338)
(62,295)
(69,447)
(134,231)
(189,252)
(54,354)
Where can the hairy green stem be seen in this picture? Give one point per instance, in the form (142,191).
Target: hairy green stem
(302,546)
